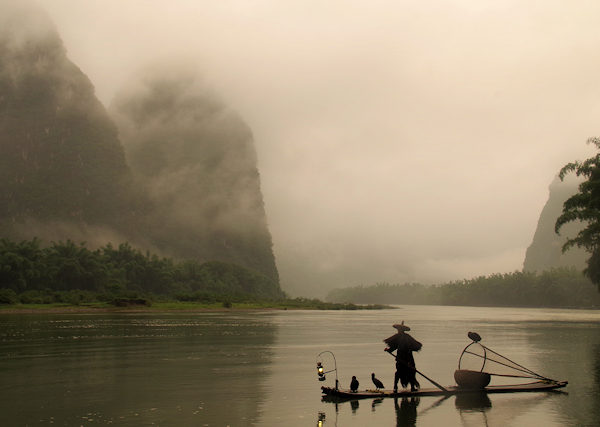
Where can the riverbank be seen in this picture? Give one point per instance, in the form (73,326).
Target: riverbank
(181,306)
(557,288)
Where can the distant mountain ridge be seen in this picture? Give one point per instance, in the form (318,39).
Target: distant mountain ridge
(186,186)
(545,251)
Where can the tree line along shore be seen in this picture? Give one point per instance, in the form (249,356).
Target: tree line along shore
(66,274)
(556,288)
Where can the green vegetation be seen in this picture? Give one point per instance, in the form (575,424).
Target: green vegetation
(585,206)
(161,306)
(178,175)
(562,287)
(67,274)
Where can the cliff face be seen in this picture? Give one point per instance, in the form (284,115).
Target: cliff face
(192,191)
(195,159)
(60,158)
(545,251)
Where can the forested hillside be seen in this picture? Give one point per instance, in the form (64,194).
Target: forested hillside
(61,161)
(195,159)
(186,187)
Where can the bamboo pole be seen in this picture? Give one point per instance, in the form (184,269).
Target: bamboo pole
(441,387)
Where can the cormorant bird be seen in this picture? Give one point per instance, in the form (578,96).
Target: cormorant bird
(378,384)
(354,384)
(474,336)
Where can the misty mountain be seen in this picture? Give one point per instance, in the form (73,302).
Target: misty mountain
(196,160)
(62,166)
(545,251)
(192,190)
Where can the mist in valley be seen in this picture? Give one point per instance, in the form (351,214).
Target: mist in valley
(396,141)
(169,169)
(195,160)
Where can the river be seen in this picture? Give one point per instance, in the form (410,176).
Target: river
(258,368)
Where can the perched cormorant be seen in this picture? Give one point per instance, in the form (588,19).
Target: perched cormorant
(378,384)
(354,384)
(474,336)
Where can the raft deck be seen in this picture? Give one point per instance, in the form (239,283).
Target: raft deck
(511,388)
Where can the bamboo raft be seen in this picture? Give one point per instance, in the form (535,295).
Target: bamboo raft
(535,386)
(468,381)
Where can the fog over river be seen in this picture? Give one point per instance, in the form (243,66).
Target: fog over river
(397,140)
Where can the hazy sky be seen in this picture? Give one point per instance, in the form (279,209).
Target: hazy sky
(397,140)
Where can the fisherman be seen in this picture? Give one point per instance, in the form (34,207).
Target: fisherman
(404,345)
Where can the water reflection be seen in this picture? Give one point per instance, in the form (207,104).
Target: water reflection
(478,410)
(405,408)
(258,369)
(435,404)
(473,402)
(321,419)
(150,369)
(596,390)
(570,351)
(472,409)
(374,404)
(406,411)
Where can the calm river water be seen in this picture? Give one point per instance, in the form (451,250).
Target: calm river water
(258,368)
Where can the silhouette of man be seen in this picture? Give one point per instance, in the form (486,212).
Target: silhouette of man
(404,345)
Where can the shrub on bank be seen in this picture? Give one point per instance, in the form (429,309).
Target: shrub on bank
(8,296)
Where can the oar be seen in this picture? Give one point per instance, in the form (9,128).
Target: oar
(441,387)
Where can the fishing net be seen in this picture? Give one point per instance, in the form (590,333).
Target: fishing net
(480,358)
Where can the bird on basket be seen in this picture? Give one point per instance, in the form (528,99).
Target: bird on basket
(378,384)
(354,385)
(474,336)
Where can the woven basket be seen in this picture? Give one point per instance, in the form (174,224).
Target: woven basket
(471,379)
